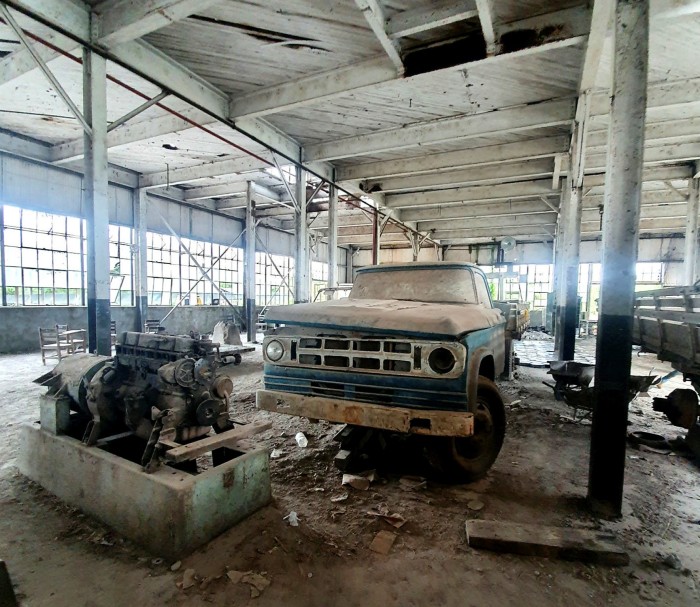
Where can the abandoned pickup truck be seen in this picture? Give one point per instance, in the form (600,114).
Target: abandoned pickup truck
(415,348)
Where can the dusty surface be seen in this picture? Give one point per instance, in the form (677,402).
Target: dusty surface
(59,557)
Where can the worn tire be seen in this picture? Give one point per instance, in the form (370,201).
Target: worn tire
(460,459)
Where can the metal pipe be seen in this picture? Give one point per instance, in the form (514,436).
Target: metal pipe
(623,190)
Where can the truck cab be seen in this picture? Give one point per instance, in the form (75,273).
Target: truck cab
(414,348)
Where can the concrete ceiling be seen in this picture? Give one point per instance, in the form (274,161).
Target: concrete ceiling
(455,117)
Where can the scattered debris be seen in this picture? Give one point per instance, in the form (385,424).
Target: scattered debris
(292,519)
(475,505)
(673,562)
(383,542)
(394,519)
(176,565)
(157,562)
(301,440)
(188,579)
(413,483)
(276,453)
(257,583)
(340,498)
(356,481)
(236,576)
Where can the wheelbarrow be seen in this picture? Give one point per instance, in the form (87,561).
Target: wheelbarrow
(573,385)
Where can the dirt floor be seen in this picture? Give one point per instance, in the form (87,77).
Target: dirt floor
(60,557)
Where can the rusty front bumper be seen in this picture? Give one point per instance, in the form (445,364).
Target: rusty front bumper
(397,419)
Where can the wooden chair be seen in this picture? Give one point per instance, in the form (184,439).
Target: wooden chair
(52,345)
(77,338)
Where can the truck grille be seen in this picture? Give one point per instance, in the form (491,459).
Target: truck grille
(382,356)
(360,354)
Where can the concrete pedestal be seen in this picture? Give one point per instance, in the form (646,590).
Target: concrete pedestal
(169,512)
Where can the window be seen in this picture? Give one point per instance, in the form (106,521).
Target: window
(650,273)
(44,258)
(274,275)
(482,290)
(121,267)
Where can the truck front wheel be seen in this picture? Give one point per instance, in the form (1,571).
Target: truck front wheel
(467,459)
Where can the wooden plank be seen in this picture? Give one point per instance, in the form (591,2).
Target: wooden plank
(225,439)
(549,542)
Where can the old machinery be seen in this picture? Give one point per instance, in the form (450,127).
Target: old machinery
(164,390)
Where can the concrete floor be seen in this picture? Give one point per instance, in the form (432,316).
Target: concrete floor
(59,557)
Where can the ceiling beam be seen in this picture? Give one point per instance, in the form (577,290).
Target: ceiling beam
(217,168)
(231,189)
(131,133)
(596,160)
(477,175)
(659,95)
(510,222)
(456,196)
(438,14)
(493,123)
(126,20)
(374,14)
(506,152)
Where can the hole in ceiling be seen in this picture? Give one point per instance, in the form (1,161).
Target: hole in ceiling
(167,146)
(265,35)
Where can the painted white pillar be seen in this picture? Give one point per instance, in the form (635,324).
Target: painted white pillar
(141,257)
(249,264)
(623,193)
(691,232)
(333,237)
(96,203)
(302,287)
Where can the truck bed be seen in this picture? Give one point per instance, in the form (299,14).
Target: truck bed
(667,322)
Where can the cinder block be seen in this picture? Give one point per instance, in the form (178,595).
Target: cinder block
(169,512)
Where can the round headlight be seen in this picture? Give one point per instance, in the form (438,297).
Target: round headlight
(441,360)
(274,350)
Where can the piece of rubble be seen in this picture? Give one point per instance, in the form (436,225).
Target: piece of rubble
(394,519)
(257,583)
(292,519)
(475,505)
(340,498)
(188,579)
(176,565)
(356,481)
(236,576)
(383,542)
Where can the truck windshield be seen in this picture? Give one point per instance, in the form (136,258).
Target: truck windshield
(448,285)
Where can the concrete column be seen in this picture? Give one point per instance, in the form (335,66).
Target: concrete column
(302,288)
(559,266)
(333,237)
(567,309)
(141,258)
(623,189)
(249,264)
(2,255)
(376,238)
(691,232)
(96,203)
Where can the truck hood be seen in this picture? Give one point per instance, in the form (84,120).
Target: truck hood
(389,316)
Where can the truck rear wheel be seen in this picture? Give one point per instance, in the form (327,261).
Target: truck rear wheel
(467,459)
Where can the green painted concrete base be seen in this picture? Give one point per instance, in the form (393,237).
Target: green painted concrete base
(169,512)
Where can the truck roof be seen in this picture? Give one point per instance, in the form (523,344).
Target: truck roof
(420,265)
